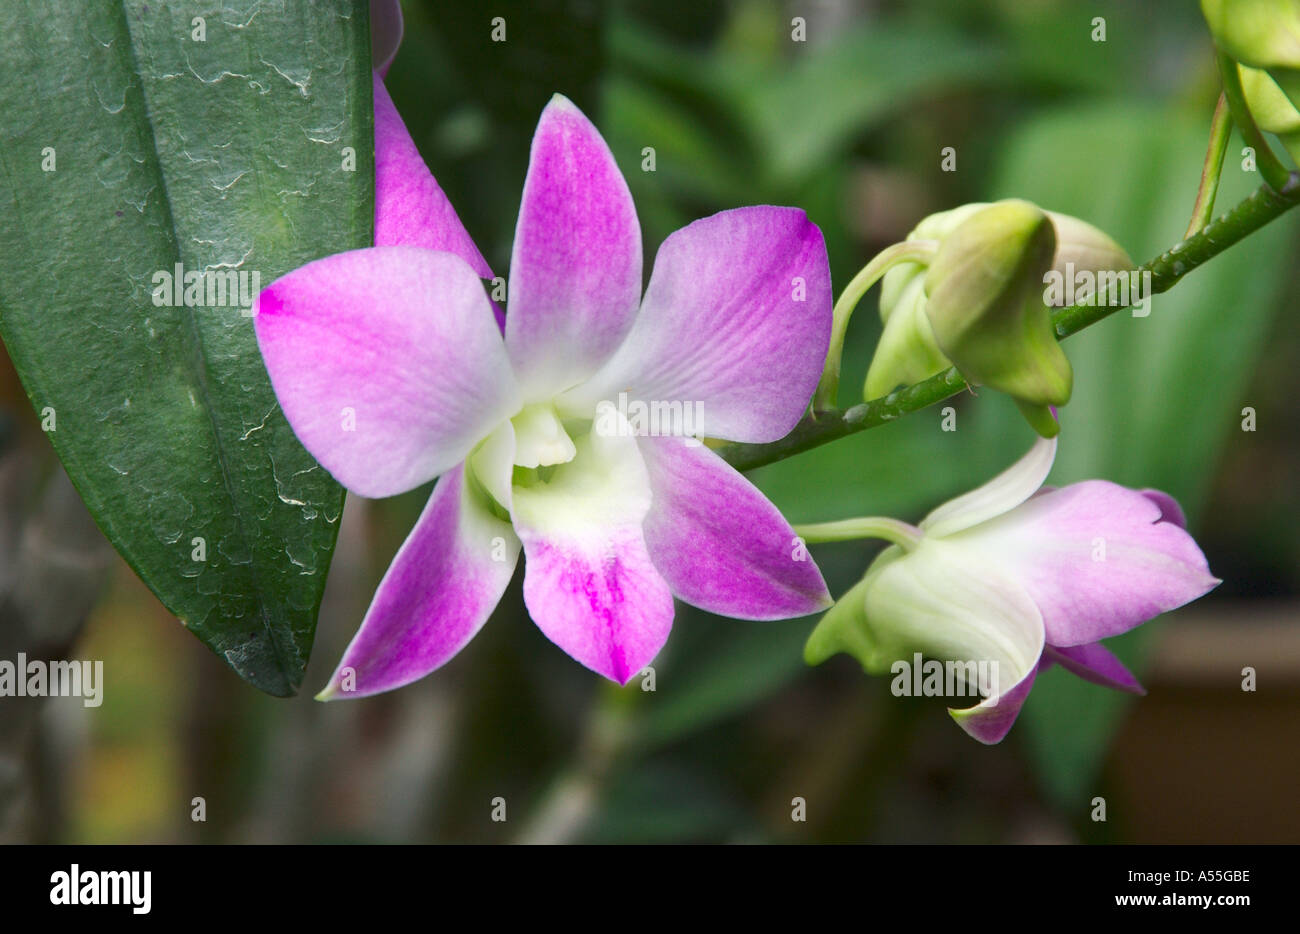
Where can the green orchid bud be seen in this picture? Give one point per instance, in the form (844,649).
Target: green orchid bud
(1263,35)
(1271,108)
(908,351)
(898,280)
(1082,247)
(984,293)
(937,226)
(1259,33)
(1269,105)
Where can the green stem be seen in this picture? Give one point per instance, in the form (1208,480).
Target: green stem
(1166,270)
(575,796)
(845,530)
(1275,174)
(1220,130)
(886,259)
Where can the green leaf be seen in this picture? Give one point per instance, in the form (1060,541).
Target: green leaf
(1155,397)
(132,144)
(806,116)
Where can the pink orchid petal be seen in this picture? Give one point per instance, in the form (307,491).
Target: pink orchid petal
(575,271)
(603,602)
(410,208)
(737,318)
(386,29)
(589,583)
(439,591)
(1000,495)
(1096,663)
(718,541)
(991,720)
(1170,511)
(1096,558)
(386,389)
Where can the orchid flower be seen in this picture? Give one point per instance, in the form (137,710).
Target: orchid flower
(1022,575)
(392,370)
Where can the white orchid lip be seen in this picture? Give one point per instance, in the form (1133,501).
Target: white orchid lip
(1018,574)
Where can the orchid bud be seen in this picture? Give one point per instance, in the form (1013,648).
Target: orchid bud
(1081,247)
(1258,33)
(1262,35)
(1271,108)
(984,293)
(908,351)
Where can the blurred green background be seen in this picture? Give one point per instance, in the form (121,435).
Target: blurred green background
(850,125)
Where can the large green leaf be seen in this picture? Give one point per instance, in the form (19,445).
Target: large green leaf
(219,151)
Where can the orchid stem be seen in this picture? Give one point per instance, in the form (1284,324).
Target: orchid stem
(1275,174)
(1220,131)
(1264,205)
(574,798)
(859,285)
(845,530)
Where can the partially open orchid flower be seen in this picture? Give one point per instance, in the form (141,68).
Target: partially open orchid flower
(1024,576)
(391,369)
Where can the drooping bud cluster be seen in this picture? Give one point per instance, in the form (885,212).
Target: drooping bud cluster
(979,303)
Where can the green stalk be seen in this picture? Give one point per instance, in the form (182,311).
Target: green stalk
(1270,167)
(886,259)
(1220,130)
(847,530)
